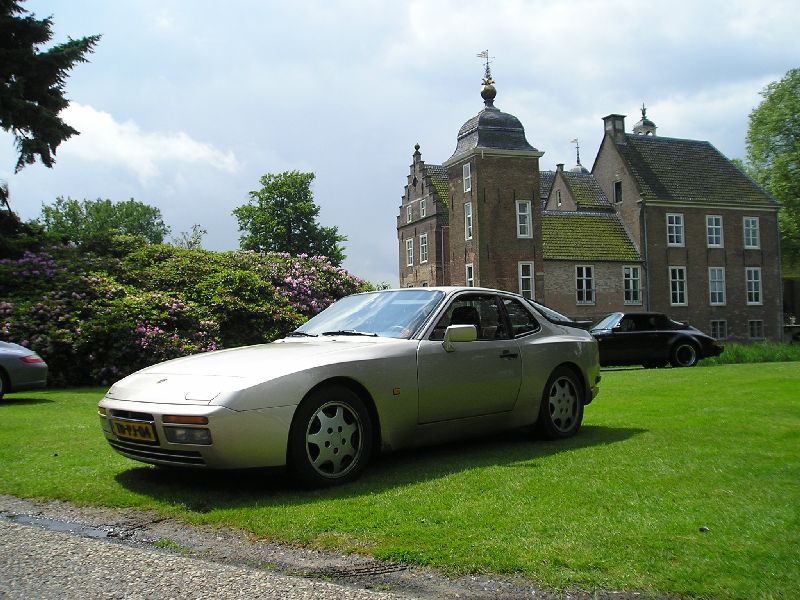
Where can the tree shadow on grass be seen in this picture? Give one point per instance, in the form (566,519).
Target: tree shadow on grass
(206,490)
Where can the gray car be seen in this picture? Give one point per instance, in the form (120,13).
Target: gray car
(375,371)
(20,369)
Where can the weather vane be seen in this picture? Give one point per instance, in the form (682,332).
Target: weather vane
(577,149)
(487,75)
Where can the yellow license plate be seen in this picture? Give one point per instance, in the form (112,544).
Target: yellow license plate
(141,432)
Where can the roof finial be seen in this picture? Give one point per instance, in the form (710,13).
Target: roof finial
(644,111)
(488,91)
(487,74)
(577,149)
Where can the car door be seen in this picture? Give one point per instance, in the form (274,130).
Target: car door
(476,378)
(617,345)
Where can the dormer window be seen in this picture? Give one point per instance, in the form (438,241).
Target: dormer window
(617,192)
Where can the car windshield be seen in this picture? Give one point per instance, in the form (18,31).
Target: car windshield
(388,313)
(607,322)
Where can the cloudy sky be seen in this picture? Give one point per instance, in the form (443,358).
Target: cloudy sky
(187,103)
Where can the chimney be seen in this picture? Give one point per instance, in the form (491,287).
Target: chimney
(615,126)
(559,167)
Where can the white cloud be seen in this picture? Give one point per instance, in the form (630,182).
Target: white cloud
(104,140)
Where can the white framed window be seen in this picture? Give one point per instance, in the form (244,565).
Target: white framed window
(584,284)
(752,236)
(632,284)
(558,198)
(468,221)
(423,208)
(716,286)
(677,286)
(467,177)
(714,231)
(423,248)
(469,275)
(755,329)
(719,329)
(753,280)
(674,229)
(409,214)
(410,252)
(618,192)
(524,229)
(525,276)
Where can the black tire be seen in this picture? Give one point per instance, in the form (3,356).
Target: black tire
(653,364)
(684,354)
(561,410)
(330,440)
(4,385)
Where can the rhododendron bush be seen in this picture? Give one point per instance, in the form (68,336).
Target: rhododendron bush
(97,317)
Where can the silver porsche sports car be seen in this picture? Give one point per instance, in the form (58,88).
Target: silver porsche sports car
(374,371)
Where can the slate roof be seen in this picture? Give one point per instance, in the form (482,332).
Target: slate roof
(688,171)
(438,175)
(584,187)
(491,128)
(587,192)
(590,236)
(546,179)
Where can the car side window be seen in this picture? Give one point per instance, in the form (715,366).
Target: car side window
(482,311)
(522,321)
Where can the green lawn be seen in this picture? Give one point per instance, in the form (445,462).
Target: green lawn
(682,481)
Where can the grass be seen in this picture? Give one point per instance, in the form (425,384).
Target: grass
(683,481)
(754,353)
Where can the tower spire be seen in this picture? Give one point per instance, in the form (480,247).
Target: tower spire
(488,91)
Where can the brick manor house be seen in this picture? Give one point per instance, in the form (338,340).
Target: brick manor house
(659,224)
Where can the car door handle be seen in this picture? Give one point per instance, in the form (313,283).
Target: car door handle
(507,354)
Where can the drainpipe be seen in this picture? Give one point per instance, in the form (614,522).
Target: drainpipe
(644,254)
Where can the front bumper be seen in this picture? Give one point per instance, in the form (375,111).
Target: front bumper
(245,439)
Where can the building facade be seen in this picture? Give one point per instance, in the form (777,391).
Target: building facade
(659,224)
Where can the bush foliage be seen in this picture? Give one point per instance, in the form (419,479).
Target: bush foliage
(97,315)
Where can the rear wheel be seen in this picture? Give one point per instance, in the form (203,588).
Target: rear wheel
(330,441)
(561,410)
(684,354)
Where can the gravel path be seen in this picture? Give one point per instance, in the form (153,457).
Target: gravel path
(55,550)
(36,563)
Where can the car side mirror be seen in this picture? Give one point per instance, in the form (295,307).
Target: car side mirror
(458,333)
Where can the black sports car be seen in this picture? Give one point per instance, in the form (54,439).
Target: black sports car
(651,340)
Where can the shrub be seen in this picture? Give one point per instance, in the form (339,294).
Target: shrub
(95,318)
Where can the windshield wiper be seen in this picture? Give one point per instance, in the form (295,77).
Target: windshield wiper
(349,332)
(300,334)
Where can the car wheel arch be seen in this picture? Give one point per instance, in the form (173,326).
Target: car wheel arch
(684,340)
(576,370)
(359,390)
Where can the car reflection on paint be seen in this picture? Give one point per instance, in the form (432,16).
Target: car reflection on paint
(375,371)
(651,340)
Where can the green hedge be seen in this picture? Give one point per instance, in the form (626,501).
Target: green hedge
(98,315)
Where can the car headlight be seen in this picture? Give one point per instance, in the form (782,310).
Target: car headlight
(199,436)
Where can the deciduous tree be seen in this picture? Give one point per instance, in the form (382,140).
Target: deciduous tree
(282,217)
(773,152)
(82,222)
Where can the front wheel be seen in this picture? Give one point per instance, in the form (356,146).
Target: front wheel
(330,441)
(561,410)
(684,354)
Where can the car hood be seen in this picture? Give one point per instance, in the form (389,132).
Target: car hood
(210,377)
